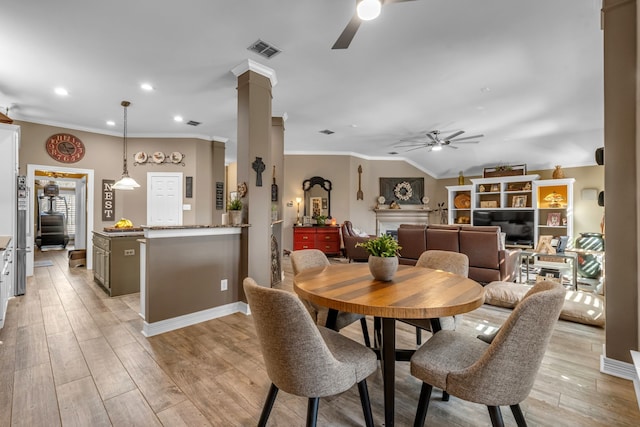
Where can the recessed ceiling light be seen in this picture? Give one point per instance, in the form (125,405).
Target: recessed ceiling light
(61,91)
(111,123)
(177,118)
(146,86)
(485,89)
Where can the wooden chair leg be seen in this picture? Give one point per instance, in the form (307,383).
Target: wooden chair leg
(366,403)
(496,416)
(517,414)
(445,396)
(418,336)
(423,405)
(365,331)
(312,411)
(268,404)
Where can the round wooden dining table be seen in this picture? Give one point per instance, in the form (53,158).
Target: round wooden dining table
(414,293)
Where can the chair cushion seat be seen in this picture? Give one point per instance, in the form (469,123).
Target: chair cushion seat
(447,351)
(345,350)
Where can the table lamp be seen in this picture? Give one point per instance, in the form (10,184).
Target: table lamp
(298,200)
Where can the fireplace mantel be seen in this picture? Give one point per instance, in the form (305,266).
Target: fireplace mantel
(390,219)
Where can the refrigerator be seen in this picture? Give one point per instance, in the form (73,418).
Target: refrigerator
(20,271)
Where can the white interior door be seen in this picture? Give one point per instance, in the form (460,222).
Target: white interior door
(164,198)
(81,214)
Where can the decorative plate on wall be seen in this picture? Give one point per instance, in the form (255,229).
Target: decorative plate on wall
(140,157)
(176,157)
(158,157)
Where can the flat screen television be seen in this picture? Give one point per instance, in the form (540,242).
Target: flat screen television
(517,225)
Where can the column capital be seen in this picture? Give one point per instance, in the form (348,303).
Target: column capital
(251,65)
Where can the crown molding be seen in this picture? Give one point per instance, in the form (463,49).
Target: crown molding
(256,67)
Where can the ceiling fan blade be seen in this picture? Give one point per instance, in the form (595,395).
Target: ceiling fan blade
(394,1)
(348,33)
(453,135)
(451,146)
(431,136)
(466,137)
(464,142)
(417,148)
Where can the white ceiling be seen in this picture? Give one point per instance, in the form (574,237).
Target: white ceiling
(421,65)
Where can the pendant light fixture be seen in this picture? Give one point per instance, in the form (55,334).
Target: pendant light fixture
(126,182)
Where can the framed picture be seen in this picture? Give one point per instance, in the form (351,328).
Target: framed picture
(519,202)
(544,245)
(553,219)
(405,191)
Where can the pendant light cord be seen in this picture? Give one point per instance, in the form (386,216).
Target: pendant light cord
(125,171)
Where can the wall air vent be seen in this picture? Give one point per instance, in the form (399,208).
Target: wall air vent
(193,123)
(327,132)
(264,49)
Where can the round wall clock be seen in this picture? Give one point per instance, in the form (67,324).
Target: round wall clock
(65,148)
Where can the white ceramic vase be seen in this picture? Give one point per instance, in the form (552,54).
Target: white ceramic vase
(383,268)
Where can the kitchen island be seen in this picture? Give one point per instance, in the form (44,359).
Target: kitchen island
(116,263)
(190,274)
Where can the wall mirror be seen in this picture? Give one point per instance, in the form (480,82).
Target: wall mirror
(317,197)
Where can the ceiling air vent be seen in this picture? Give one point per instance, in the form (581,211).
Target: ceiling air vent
(265,49)
(193,123)
(327,132)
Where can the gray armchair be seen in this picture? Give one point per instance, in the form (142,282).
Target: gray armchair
(304,359)
(500,373)
(309,258)
(452,262)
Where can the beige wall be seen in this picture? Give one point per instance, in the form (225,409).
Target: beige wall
(104,156)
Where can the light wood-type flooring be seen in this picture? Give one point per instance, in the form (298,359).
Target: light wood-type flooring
(71,356)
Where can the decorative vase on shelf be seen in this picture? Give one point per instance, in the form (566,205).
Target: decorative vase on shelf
(558,173)
(383,268)
(235,217)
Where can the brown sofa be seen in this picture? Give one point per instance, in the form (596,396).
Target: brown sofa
(349,240)
(487,261)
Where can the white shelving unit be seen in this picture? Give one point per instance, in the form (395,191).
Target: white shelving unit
(554,218)
(517,193)
(462,214)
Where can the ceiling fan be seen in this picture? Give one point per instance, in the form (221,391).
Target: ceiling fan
(366,10)
(434,141)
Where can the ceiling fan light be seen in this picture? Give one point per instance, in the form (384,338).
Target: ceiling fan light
(436,148)
(369,9)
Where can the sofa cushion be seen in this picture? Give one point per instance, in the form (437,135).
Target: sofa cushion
(481,245)
(443,238)
(412,239)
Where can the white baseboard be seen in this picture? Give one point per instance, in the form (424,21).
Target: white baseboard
(635,356)
(616,368)
(156,328)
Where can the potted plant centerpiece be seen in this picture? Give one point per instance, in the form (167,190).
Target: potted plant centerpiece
(383,256)
(235,211)
(321,220)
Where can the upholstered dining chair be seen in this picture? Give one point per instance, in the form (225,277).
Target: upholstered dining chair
(302,358)
(500,373)
(452,262)
(305,259)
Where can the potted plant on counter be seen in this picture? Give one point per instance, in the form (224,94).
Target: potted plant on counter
(235,211)
(383,256)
